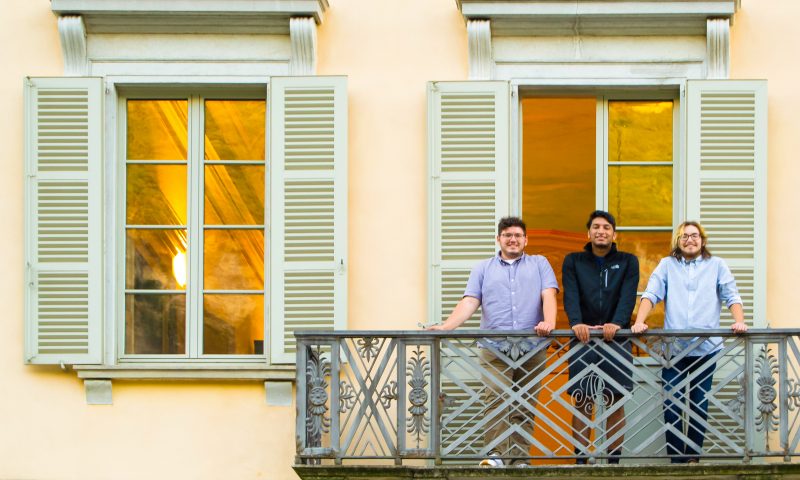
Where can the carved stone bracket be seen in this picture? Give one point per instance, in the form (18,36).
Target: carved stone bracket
(479,44)
(73,45)
(303,38)
(718,47)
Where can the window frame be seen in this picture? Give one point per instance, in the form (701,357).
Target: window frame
(603,94)
(194,93)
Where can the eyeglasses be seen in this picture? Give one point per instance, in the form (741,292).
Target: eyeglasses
(687,236)
(508,236)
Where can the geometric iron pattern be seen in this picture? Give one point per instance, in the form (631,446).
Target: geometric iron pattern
(453,397)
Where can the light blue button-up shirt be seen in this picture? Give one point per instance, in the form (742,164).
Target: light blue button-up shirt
(693,292)
(511,292)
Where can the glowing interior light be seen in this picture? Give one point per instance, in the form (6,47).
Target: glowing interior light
(179,268)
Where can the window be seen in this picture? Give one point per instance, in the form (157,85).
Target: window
(228,213)
(598,152)
(708,164)
(195,220)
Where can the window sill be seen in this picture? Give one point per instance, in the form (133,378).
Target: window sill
(154,371)
(277,379)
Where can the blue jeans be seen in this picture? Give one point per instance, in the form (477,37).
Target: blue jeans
(701,370)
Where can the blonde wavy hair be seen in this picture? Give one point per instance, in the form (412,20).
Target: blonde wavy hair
(676,239)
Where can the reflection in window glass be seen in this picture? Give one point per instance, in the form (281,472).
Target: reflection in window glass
(639,131)
(558,177)
(233,260)
(157,130)
(233,324)
(155,324)
(640,195)
(650,247)
(171,182)
(156,194)
(150,259)
(235,129)
(234,195)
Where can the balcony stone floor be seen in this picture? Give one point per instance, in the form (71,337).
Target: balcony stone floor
(714,471)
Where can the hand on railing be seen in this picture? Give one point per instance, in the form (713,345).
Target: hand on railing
(639,328)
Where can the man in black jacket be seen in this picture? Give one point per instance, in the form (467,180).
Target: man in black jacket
(599,294)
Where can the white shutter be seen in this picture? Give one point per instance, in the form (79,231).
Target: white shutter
(468,136)
(726,179)
(63,220)
(308,208)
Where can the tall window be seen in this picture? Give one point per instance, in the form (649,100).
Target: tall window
(586,153)
(195,222)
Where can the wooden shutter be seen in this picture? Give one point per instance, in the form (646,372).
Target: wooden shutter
(308,208)
(63,220)
(468,137)
(726,179)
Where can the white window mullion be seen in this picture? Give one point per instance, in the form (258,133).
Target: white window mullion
(601,153)
(194,284)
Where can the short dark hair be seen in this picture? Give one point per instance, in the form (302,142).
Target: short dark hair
(601,214)
(508,222)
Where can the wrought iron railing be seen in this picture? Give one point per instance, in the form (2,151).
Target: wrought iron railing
(399,395)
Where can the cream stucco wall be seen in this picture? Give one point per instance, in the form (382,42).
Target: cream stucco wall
(389,50)
(763,44)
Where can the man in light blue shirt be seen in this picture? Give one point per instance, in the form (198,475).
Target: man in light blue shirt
(517,292)
(693,283)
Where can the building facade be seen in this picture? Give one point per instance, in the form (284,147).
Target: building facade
(188,184)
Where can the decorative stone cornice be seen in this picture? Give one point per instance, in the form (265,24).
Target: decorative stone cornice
(479,42)
(597,17)
(73,45)
(190,16)
(718,42)
(303,39)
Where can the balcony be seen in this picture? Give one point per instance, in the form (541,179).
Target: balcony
(400,404)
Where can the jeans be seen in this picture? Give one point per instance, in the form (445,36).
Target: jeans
(700,370)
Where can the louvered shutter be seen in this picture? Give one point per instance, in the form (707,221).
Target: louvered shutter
(308,209)
(726,179)
(63,220)
(468,139)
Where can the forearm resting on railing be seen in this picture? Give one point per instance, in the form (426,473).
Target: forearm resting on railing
(465,308)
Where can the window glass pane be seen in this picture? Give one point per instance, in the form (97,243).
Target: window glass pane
(156,195)
(235,129)
(650,247)
(233,324)
(155,324)
(155,259)
(233,260)
(234,195)
(639,131)
(640,196)
(157,129)
(558,177)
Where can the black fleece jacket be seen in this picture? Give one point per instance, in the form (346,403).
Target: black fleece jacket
(596,293)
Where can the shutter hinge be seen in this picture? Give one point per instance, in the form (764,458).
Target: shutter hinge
(340,268)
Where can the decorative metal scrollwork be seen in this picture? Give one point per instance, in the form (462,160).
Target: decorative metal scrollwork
(368,347)
(317,369)
(793,393)
(388,393)
(592,388)
(419,423)
(347,396)
(515,347)
(767,368)
(736,404)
